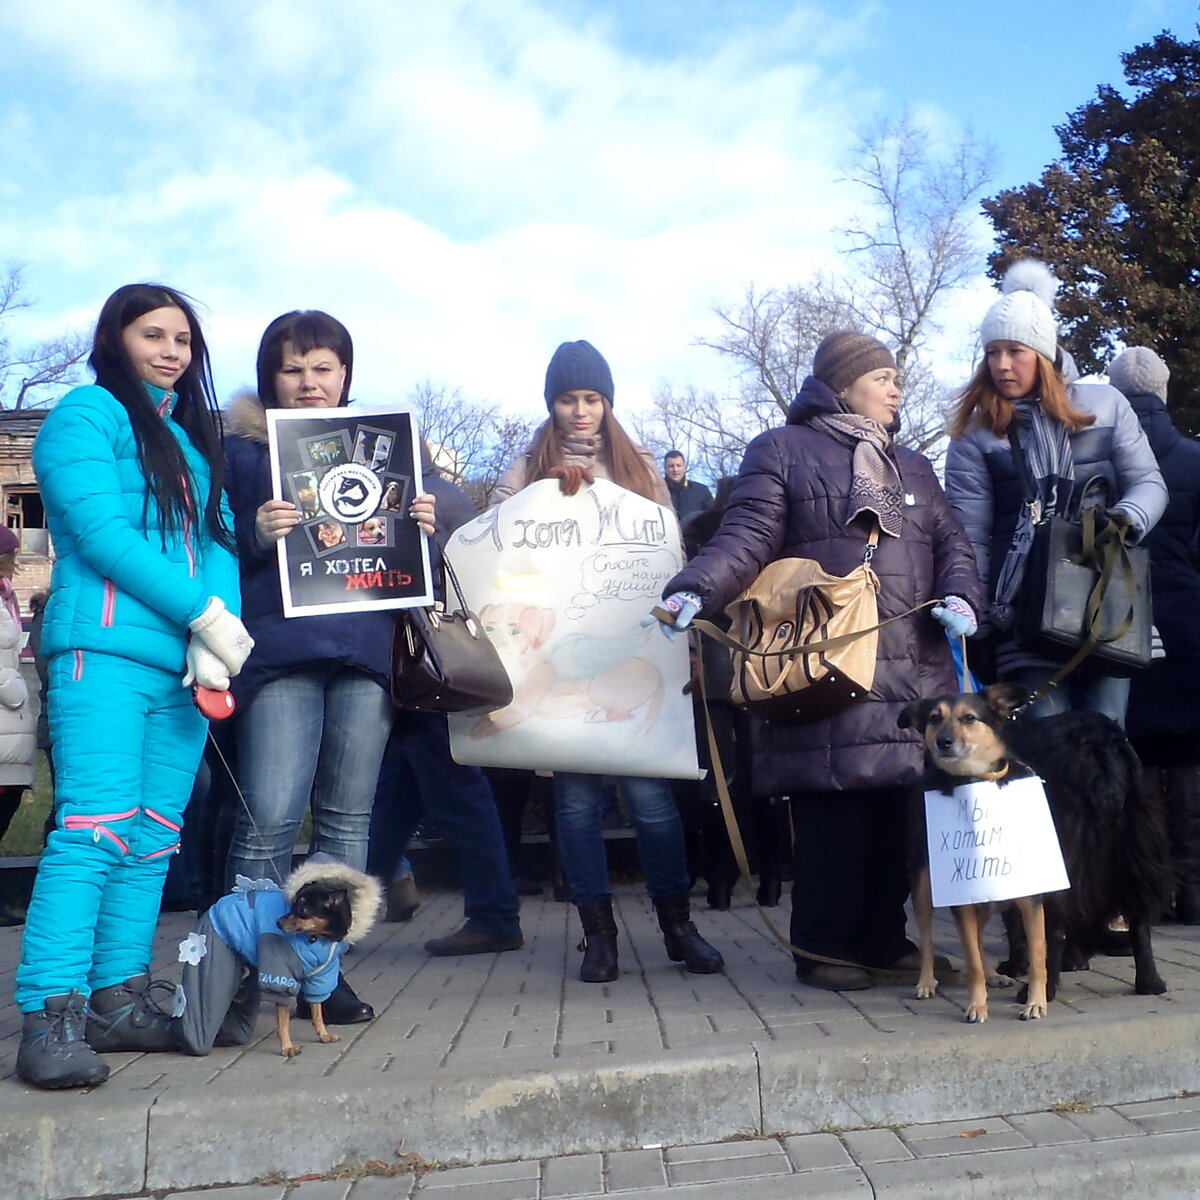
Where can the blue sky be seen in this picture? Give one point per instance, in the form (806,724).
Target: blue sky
(466,184)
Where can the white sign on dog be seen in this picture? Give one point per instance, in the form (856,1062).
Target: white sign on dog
(991,841)
(562,584)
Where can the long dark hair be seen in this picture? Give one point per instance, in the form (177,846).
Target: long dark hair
(161,459)
(310,329)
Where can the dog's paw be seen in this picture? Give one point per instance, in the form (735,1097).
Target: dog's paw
(328,1037)
(1033,1012)
(1153,986)
(290,1051)
(998,980)
(977,1014)
(926,989)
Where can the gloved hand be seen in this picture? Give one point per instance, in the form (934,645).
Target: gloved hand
(205,668)
(682,606)
(1116,519)
(957,616)
(570,477)
(224,635)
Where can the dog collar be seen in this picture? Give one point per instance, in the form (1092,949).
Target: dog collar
(992,776)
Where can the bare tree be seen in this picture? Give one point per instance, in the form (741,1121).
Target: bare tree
(918,240)
(472,441)
(771,336)
(914,243)
(27,370)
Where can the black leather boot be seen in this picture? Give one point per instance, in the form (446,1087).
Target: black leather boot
(342,1008)
(684,943)
(129,1016)
(53,1052)
(599,943)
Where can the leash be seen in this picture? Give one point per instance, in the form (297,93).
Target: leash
(735,836)
(241,796)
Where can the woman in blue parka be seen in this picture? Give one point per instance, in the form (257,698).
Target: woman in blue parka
(143,604)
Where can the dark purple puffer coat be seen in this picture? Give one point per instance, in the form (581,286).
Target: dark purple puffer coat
(790,502)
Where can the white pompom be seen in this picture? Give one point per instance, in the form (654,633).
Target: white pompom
(1029,275)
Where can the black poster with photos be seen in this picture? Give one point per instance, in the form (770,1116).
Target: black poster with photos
(352,473)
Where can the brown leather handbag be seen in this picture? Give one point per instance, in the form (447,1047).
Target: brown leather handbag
(442,659)
(804,643)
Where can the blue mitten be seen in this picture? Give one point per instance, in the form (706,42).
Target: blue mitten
(956,615)
(683,606)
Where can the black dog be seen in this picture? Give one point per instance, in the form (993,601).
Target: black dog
(1112,835)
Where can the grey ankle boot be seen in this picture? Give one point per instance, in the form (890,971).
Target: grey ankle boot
(129,1016)
(53,1052)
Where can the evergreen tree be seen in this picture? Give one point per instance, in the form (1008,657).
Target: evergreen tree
(1118,219)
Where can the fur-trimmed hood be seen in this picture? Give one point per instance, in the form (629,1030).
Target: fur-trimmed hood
(363,890)
(246,417)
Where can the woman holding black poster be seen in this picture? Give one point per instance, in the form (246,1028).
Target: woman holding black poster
(314,706)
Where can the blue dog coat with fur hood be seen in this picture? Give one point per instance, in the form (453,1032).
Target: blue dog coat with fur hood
(238,943)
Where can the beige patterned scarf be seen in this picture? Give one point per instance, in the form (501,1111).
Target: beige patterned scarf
(875,486)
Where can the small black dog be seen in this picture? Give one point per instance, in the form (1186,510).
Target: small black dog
(1112,835)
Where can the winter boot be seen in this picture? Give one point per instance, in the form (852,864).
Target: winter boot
(599,943)
(128,1016)
(684,943)
(53,1052)
(1182,788)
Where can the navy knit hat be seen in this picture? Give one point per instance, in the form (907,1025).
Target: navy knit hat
(578,366)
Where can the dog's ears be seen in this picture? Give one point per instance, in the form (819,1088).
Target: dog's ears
(1005,698)
(916,714)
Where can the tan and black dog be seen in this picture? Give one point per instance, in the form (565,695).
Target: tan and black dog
(1112,837)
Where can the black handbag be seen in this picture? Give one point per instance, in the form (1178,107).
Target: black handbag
(442,659)
(1083,589)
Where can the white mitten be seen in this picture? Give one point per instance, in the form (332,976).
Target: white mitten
(224,635)
(205,668)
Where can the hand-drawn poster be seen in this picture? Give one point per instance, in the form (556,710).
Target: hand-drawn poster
(562,583)
(992,842)
(352,473)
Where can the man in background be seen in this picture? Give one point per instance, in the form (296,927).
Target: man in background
(688,498)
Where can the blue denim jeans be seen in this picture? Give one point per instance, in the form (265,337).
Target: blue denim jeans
(419,777)
(315,734)
(578,803)
(1082,689)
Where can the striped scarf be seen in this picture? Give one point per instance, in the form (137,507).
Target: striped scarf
(875,485)
(1046,445)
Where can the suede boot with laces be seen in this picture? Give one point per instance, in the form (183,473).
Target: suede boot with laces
(53,1052)
(131,1016)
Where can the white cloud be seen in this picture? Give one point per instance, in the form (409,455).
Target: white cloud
(463,185)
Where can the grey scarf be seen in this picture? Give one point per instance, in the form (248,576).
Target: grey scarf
(875,486)
(1046,445)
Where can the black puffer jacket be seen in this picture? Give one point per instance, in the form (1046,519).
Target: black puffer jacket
(1164,699)
(790,502)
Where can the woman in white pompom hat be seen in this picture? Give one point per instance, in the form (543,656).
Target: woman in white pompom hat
(1068,432)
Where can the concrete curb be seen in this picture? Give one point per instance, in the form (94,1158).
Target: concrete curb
(190,1137)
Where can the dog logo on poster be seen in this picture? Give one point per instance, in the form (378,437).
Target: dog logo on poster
(351,492)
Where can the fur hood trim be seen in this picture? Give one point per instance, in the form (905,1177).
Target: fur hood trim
(366,896)
(247,417)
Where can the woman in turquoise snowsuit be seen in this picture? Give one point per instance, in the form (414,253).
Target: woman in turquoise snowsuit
(143,602)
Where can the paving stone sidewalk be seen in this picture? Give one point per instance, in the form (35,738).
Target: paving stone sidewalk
(509,1060)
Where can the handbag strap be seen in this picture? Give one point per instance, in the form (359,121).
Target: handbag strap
(1110,552)
(447,573)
